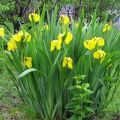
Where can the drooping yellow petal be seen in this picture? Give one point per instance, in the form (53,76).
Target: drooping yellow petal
(100,42)
(53,44)
(70,63)
(2,32)
(27,37)
(17,37)
(90,44)
(68,38)
(64,62)
(11,45)
(99,54)
(34,17)
(96,55)
(56,44)
(60,36)
(31,17)
(67,61)
(106,28)
(70,66)
(64,19)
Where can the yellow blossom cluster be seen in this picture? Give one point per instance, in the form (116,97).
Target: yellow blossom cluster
(94,42)
(28,62)
(16,38)
(56,44)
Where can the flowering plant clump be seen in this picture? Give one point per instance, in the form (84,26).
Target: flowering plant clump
(64,72)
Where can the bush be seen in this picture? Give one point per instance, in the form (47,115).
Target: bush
(64,72)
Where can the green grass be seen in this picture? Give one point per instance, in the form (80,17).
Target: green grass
(9,100)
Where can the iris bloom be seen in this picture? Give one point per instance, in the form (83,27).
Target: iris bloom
(64,19)
(106,28)
(34,17)
(56,44)
(11,45)
(96,41)
(99,54)
(68,38)
(2,32)
(17,37)
(100,41)
(67,61)
(28,62)
(90,44)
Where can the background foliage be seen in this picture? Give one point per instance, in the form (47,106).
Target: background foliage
(16,11)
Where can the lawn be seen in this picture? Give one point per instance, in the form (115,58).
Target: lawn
(9,101)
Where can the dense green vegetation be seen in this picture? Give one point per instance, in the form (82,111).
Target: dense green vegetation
(53,68)
(16,11)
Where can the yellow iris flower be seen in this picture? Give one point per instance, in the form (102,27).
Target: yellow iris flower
(68,38)
(99,54)
(56,44)
(34,17)
(11,45)
(106,28)
(90,44)
(2,32)
(99,41)
(64,19)
(67,61)
(17,37)
(96,41)
(28,62)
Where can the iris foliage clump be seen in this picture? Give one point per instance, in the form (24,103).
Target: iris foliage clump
(64,72)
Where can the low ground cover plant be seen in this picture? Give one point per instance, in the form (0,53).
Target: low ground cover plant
(64,69)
